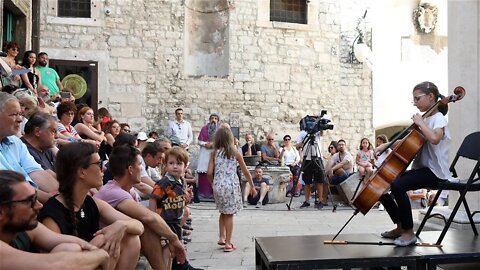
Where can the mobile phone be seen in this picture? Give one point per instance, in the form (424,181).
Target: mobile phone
(64,94)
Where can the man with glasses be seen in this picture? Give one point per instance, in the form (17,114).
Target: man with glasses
(179,131)
(14,154)
(20,232)
(341,164)
(40,136)
(270,151)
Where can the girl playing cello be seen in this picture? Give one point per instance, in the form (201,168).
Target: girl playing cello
(429,167)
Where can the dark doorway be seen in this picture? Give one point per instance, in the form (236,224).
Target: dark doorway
(87,70)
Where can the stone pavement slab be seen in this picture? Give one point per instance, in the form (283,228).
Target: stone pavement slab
(271,220)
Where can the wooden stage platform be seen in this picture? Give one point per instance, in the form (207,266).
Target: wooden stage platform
(310,252)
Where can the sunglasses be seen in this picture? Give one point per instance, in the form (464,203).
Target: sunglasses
(126,130)
(287,139)
(331,147)
(32,199)
(270,139)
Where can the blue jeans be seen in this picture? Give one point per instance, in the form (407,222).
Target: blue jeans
(336,180)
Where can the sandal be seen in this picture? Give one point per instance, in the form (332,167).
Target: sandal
(229,248)
(221,242)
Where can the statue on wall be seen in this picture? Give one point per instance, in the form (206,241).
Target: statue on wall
(425,18)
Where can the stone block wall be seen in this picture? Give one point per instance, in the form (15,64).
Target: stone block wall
(277,73)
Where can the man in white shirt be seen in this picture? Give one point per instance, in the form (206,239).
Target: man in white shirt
(179,131)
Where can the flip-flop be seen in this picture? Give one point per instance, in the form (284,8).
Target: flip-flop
(229,248)
(390,235)
(221,242)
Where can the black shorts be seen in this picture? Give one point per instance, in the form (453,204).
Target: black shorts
(313,171)
(254,200)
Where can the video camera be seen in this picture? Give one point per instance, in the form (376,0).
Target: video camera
(313,124)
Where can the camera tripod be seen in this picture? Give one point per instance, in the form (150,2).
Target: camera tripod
(311,150)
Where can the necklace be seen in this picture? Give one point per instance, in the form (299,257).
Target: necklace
(82,213)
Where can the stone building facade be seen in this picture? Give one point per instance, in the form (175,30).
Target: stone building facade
(219,56)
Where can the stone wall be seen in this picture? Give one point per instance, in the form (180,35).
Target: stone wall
(277,73)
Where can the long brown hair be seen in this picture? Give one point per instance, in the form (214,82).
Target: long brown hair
(223,140)
(70,158)
(431,88)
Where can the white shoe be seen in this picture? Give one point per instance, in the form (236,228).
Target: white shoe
(259,205)
(381,208)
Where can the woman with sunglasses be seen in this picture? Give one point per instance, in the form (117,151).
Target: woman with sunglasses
(32,79)
(74,212)
(291,158)
(11,48)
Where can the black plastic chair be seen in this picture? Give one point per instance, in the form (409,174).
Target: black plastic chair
(470,149)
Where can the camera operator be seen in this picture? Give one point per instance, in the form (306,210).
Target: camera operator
(312,168)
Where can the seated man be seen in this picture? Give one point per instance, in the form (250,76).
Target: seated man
(251,148)
(40,134)
(341,165)
(270,151)
(20,231)
(125,164)
(14,154)
(262,188)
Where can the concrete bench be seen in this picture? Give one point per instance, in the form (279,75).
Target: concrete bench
(278,180)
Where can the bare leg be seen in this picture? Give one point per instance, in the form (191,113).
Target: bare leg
(130,250)
(320,192)
(307,189)
(228,229)
(263,191)
(361,171)
(221,227)
(150,246)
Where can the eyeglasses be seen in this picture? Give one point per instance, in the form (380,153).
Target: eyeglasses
(98,163)
(418,97)
(32,199)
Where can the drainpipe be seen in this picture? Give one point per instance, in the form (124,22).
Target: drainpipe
(36,25)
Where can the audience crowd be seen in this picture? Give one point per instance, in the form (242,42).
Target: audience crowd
(108,194)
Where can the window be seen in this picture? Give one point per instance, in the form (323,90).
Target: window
(74,8)
(292,11)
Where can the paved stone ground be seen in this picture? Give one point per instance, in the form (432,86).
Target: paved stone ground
(271,220)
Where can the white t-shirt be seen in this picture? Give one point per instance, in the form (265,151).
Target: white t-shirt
(345,156)
(311,150)
(290,156)
(433,156)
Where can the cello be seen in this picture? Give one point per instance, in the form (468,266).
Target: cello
(394,164)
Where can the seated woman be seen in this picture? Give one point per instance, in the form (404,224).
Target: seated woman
(65,131)
(74,212)
(85,126)
(111,129)
(87,130)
